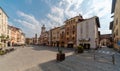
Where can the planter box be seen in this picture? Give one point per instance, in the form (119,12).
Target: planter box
(60,57)
(80,51)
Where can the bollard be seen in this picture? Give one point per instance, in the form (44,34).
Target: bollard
(113,59)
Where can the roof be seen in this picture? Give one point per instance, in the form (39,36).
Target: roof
(96,19)
(73,18)
(62,27)
(14,27)
(4,12)
(99,32)
(113,6)
(98,22)
(111,25)
(55,28)
(105,36)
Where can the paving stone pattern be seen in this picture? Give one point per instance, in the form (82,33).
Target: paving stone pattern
(39,58)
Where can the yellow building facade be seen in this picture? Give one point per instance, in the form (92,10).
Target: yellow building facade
(71,31)
(3,27)
(16,36)
(55,37)
(115,25)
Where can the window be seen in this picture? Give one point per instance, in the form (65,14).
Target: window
(73,32)
(73,27)
(117,32)
(73,38)
(62,33)
(116,21)
(67,39)
(61,36)
(113,35)
(71,22)
(74,20)
(81,29)
(67,33)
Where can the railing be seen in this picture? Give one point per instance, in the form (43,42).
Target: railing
(104,54)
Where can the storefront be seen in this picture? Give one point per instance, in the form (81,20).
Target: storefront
(85,43)
(70,45)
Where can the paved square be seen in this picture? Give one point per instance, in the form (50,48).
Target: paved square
(39,58)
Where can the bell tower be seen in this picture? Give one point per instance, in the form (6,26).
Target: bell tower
(43,29)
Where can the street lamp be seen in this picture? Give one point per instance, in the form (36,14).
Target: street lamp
(58,46)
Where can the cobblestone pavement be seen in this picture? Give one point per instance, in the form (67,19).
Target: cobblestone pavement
(44,59)
(82,62)
(27,57)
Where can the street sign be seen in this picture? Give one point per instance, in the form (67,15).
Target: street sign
(118,43)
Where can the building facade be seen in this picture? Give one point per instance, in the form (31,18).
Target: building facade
(3,27)
(44,37)
(69,35)
(22,38)
(55,37)
(70,31)
(16,36)
(29,41)
(35,40)
(50,38)
(62,36)
(115,24)
(106,40)
(87,33)
(9,34)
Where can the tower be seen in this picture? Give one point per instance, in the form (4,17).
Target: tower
(36,39)
(43,29)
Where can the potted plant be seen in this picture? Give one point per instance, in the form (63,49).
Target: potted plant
(2,52)
(4,39)
(80,49)
(60,56)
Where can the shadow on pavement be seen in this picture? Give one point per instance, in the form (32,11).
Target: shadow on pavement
(54,49)
(79,62)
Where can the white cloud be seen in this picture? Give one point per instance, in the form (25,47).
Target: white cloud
(28,18)
(61,11)
(25,24)
(66,9)
(29,22)
(72,7)
(57,11)
(56,16)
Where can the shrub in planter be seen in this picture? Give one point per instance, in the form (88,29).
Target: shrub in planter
(80,49)
(2,52)
(7,50)
(11,49)
(60,56)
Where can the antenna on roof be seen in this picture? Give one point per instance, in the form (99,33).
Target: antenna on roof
(80,15)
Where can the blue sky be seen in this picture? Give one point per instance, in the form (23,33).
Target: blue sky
(30,15)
